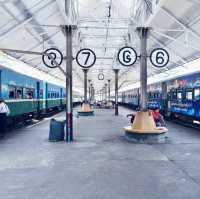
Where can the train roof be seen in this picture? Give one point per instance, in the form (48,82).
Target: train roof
(183,70)
(20,67)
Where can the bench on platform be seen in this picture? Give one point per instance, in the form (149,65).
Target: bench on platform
(144,129)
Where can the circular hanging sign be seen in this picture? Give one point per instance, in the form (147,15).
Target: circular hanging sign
(86,58)
(127,56)
(159,57)
(101,76)
(52,58)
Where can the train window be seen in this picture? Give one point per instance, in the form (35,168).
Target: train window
(49,95)
(179,95)
(174,95)
(11,92)
(29,93)
(19,93)
(149,95)
(189,95)
(197,93)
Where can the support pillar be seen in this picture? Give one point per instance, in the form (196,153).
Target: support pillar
(116,91)
(164,98)
(109,90)
(144,129)
(69,103)
(106,85)
(143,34)
(85,71)
(89,92)
(85,109)
(103,93)
(92,91)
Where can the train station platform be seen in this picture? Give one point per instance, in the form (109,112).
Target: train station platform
(100,164)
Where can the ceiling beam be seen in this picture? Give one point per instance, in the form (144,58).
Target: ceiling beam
(103,27)
(176,40)
(153,38)
(184,26)
(23,23)
(196,2)
(158,7)
(61,7)
(18,21)
(40,44)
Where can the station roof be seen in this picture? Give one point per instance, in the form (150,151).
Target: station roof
(104,26)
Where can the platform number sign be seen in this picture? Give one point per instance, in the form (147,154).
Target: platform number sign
(86,58)
(52,58)
(127,56)
(159,57)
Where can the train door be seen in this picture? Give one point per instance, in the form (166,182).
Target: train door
(196,101)
(38,97)
(61,97)
(46,96)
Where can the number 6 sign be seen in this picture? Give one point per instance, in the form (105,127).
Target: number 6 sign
(86,58)
(159,57)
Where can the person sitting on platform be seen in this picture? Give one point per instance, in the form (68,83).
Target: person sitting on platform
(158,118)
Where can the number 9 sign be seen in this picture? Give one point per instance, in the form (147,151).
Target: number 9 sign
(159,57)
(86,58)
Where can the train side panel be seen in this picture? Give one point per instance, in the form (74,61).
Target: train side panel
(19,92)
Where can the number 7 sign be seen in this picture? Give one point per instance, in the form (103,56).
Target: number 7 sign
(86,58)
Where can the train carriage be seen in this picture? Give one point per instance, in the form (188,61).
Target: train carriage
(19,91)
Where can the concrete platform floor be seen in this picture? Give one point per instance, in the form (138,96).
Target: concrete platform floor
(100,164)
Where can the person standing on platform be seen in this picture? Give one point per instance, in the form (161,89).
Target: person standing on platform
(4,112)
